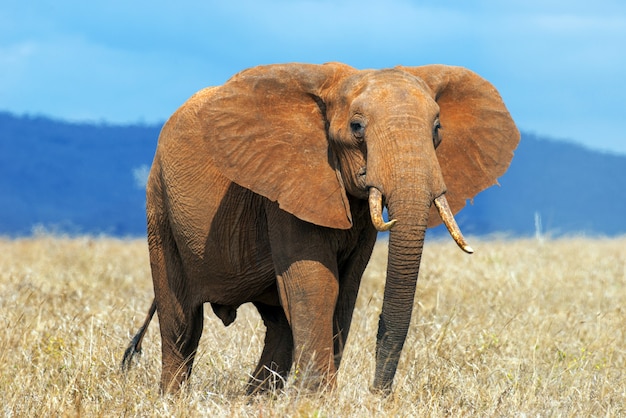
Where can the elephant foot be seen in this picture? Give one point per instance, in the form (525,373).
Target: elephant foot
(314,380)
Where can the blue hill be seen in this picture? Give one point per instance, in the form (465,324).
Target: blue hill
(569,189)
(74,178)
(87,179)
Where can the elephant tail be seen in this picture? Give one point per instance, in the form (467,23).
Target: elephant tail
(135,345)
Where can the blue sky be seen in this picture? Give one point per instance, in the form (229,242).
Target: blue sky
(560,65)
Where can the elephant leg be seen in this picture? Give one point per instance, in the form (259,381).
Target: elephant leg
(277,355)
(305,261)
(180,324)
(308,292)
(350,273)
(180,335)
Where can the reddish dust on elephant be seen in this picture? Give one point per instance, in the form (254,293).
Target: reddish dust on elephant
(270,188)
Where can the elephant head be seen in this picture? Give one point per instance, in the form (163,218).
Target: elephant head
(307,136)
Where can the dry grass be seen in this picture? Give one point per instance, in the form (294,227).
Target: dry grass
(521,328)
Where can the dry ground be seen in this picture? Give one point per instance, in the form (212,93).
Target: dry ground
(521,328)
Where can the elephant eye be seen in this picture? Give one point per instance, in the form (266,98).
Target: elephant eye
(436,135)
(358,129)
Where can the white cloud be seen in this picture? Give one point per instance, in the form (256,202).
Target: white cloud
(140,176)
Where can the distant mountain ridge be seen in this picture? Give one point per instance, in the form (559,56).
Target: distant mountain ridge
(568,188)
(88,179)
(74,178)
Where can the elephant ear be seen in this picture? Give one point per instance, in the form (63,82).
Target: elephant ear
(478,135)
(267,133)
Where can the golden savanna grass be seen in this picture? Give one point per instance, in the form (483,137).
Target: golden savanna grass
(520,328)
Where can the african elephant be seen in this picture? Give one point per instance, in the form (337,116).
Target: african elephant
(269,189)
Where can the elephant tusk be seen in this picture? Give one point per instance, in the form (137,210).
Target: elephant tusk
(448,219)
(376,211)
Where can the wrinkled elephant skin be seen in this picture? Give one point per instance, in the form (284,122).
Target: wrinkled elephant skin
(270,188)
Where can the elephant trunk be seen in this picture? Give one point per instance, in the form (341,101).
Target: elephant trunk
(407,172)
(406,240)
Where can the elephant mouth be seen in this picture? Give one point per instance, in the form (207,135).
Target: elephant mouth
(441,203)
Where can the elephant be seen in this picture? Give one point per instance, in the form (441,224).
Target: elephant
(270,189)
